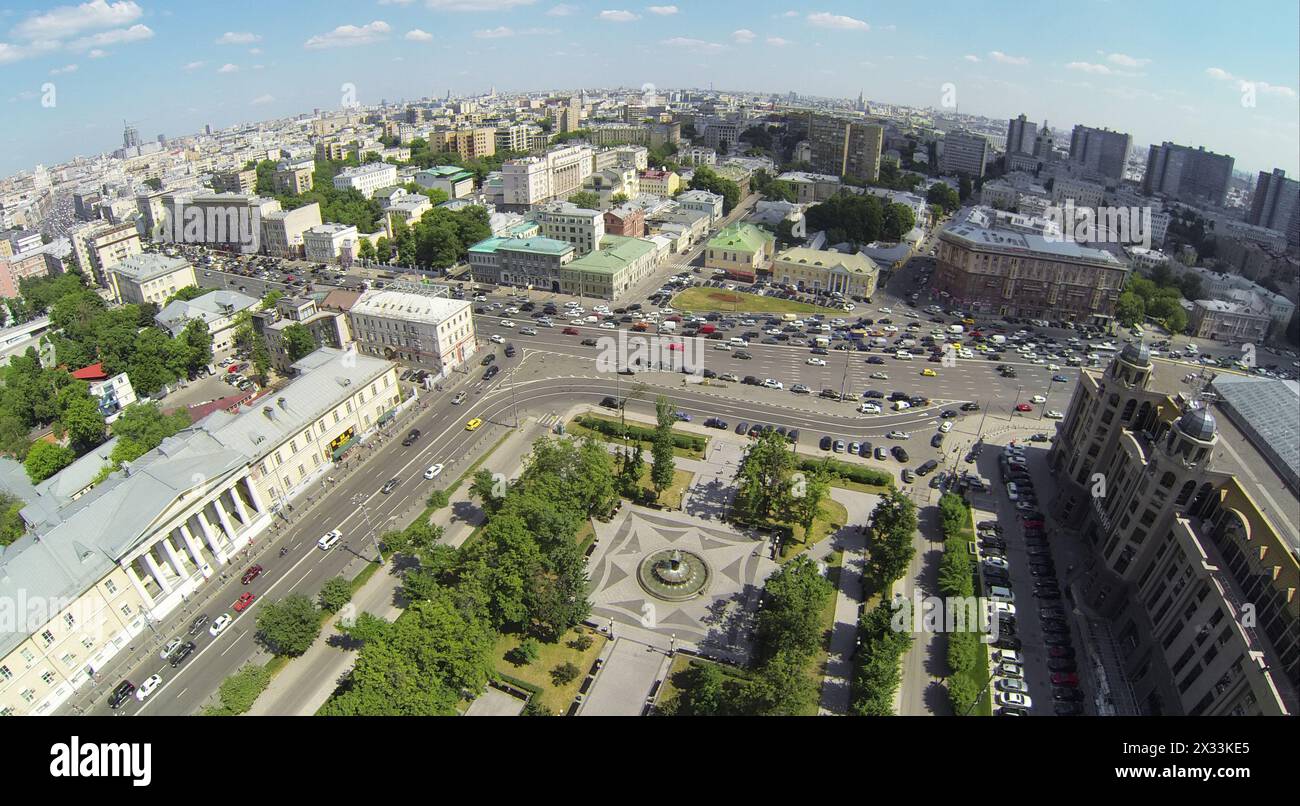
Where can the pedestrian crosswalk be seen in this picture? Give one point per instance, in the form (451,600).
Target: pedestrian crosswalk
(548,419)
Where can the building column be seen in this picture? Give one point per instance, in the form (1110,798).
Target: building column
(173,559)
(191,545)
(134,577)
(210,537)
(156,572)
(239,506)
(223,517)
(253,495)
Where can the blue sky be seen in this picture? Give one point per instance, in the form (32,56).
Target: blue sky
(1222,75)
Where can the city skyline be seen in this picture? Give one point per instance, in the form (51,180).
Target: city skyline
(75,72)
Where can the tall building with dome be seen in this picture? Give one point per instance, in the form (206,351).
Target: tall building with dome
(1190,571)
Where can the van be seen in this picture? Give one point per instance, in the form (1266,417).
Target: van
(1000,593)
(329,540)
(822,341)
(899,405)
(736,341)
(789,317)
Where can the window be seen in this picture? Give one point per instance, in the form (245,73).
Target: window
(110,586)
(5,673)
(47,637)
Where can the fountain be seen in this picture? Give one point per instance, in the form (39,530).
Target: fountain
(673,574)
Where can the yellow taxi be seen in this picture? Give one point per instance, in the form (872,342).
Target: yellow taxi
(473,424)
(929,373)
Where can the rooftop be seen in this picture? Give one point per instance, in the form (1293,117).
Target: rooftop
(741,236)
(148,266)
(854,264)
(408,306)
(616,253)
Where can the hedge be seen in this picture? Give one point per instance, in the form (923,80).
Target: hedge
(849,472)
(640,433)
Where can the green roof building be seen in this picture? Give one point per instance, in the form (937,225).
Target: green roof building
(612,270)
(740,250)
(530,262)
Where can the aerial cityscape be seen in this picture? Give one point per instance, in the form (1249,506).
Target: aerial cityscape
(523,358)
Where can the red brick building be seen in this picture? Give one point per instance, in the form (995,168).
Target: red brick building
(626,221)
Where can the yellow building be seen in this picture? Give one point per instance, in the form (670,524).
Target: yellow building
(817,269)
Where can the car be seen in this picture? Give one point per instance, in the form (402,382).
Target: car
(800,389)
(570,331)
(197,625)
(1037,399)
(219,624)
(244,601)
(330,539)
(1014,699)
(1060,651)
(896,434)
(714,422)
(816,362)
(411,438)
(772,383)
(1053,414)
(1009,670)
(881,453)
(588,342)
(1065,679)
(1008,642)
(507,323)
(927,467)
(992,526)
(252,573)
(474,424)
(908,476)
(936,441)
(170,647)
(148,687)
(899,453)
(683,416)
(1060,379)
(433,471)
(1024,407)
(879,376)
(182,653)
(839,446)
(496,339)
(929,373)
(1067,709)
(1007,710)
(1067,694)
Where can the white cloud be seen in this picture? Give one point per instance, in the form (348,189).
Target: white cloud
(416,35)
(254,51)
(346,36)
(1124,60)
(228,68)
(618,16)
(1086,67)
(97,53)
(694,45)
(777,41)
(1244,84)
(562,10)
(999,56)
(63,71)
(1218,73)
(262,99)
(118,36)
(970,57)
(789,14)
(14,53)
(65,21)
(824,19)
(1270,89)
(192,66)
(663,11)
(476,5)
(502,32)
(238,38)
(743,36)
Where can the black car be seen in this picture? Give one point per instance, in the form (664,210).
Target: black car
(714,422)
(947,414)
(1066,694)
(743,428)
(927,467)
(197,625)
(491,372)
(864,450)
(1065,665)
(750,380)
(741,354)
(970,407)
(792,435)
(609,403)
(830,394)
(488,359)
(1068,709)
(411,438)
(179,656)
(120,694)
(991,525)
(1009,642)
(588,342)
(510,351)
(389,486)
(826,443)
(936,441)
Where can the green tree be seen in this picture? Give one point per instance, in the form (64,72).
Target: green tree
(1130,309)
(782,687)
(141,427)
(298,341)
(189,292)
(366,251)
(701,690)
(272,297)
(238,692)
(438,499)
(565,673)
(944,196)
(893,523)
(82,419)
(618,198)
(805,497)
(12,526)
(335,593)
(763,478)
(706,178)
(44,459)
(586,200)
(790,620)
(661,448)
(289,626)
(483,487)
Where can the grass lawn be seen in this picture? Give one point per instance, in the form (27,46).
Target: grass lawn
(669,691)
(586,536)
(572,427)
(833,516)
(538,673)
(701,300)
(978,675)
(817,665)
(671,497)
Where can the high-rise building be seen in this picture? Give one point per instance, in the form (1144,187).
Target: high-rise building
(1020,135)
(845,147)
(1276,205)
(1101,151)
(130,136)
(1187,174)
(964,153)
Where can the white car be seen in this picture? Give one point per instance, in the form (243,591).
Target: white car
(1037,399)
(997,562)
(219,624)
(1000,608)
(329,540)
(886,310)
(433,471)
(945,426)
(608,326)
(898,435)
(1053,414)
(879,376)
(869,408)
(480,298)
(816,362)
(772,383)
(722,346)
(507,323)
(1011,670)
(1014,700)
(170,647)
(148,687)
(512,310)
(496,338)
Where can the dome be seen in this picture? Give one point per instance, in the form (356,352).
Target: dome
(1136,353)
(1198,424)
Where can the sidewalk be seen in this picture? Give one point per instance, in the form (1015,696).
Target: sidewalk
(307,682)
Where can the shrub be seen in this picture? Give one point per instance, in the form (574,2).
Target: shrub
(565,673)
(335,593)
(524,654)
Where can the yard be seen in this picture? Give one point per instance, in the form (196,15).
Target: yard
(832,517)
(538,673)
(700,300)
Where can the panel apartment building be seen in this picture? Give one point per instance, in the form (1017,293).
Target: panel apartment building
(1187,174)
(845,147)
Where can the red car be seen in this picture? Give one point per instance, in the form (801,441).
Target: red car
(1065,679)
(1033,524)
(251,574)
(570,331)
(242,604)
(1024,407)
(676,346)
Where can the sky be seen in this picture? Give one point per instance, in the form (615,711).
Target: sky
(1196,72)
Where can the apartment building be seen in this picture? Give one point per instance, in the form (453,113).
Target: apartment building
(1228,321)
(1187,174)
(660,182)
(1017,267)
(328,328)
(614,269)
(468,142)
(1191,577)
(111,393)
(1275,204)
(456,182)
(366,179)
(525,262)
(13,270)
(231,221)
(704,202)
(812,188)
(112,562)
(331,243)
(853,275)
(844,146)
(282,230)
(564,221)
(626,221)
(139,279)
(415,327)
(217,309)
(294,177)
(99,247)
(243,181)
(965,153)
(555,174)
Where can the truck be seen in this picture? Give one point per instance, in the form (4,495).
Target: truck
(998,339)
(822,341)
(955,328)
(668,327)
